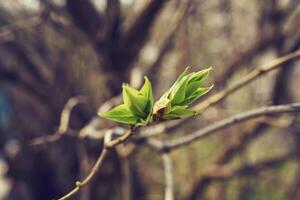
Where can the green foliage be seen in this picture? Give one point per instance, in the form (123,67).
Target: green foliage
(186,90)
(138,108)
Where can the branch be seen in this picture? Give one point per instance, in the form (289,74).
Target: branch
(185,140)
(64,122)
(90,176)
(137,34)
(219,96)
(169,185)
(108,144)
(174,24)
(112,22)
(254,74)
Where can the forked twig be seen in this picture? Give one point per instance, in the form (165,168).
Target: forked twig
(165,146)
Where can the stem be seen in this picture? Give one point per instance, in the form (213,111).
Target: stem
(107,146)
(169,185)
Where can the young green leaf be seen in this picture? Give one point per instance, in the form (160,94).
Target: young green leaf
(186,89)
(178,93)
(196,80)
(182,111)
(196,95)
(134,100)
(200,76)
(146,91)
(120,114)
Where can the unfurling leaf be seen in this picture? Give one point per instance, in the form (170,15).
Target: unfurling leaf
(137,107)
(134,100)
(186,89)
(120,114)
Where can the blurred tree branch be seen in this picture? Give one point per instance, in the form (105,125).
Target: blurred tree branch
(64,122)
(169,183)
(165,146)
(219,96)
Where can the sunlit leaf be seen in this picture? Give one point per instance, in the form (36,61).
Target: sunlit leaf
(196,95)
(196,80)
(178,93)
(182,111)
(146,91)
(200,76)
(120,114)
(134,100)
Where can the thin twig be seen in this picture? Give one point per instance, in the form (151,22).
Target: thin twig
(66,113)
(90,176)
(108,144)
(124,151)
(254,74)
(169,183)
(173,27)
(64,122)
(219,96)
(187,139)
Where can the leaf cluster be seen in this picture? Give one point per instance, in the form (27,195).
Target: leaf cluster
(139,108)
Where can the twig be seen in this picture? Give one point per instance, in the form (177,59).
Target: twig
(254,74)
(84,167)
(91,175)
(185,140)
(169,183)
(172,29)
(124,151)
(216,98)
(66,113)
(138,31)
(108,144)
(64,122)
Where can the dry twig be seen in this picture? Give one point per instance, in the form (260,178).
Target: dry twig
(219,96)
(187,139)
(108,144)
(169,183)
(64,122)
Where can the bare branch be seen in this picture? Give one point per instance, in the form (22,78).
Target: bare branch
(64,122)
(185,140)
(137,34)
(108,144)
(219,96)
(66,113)
(91,175)
(173,27)
(254,74)
(169,184)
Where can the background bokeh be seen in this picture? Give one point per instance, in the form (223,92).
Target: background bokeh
(53,50)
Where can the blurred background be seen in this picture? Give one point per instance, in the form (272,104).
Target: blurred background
(52,50)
